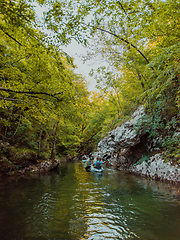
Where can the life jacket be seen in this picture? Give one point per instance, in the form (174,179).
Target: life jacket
(98,165)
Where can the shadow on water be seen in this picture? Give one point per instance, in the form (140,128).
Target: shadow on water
(71,203)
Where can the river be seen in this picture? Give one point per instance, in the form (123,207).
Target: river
(71,204)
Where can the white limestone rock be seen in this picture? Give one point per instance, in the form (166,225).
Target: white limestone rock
(156,168)
(122,137)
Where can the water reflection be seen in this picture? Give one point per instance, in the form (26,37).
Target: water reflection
(74,204)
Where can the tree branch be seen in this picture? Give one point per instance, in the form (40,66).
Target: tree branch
(32,92)
(123,9)
(15,99)
(126,41)
(11,36)
(122,39)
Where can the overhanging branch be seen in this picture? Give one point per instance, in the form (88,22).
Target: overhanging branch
(19,100)
(32,92)
(124,40)
(10,36)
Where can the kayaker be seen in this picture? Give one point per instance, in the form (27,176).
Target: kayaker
(84,157)
(97,164)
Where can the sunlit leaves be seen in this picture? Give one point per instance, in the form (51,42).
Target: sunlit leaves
(138,39)
(38,85)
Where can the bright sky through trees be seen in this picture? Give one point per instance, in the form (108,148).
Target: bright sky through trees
(76,51)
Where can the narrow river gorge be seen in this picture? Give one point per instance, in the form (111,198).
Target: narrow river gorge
(70,203)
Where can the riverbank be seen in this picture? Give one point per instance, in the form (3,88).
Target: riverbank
(130,147)
(9,168)
(16,164)
(156,168)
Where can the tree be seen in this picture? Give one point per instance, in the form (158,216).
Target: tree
(139,39)
(39,91)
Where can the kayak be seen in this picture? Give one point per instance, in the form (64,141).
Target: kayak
(93,169)
(85,160)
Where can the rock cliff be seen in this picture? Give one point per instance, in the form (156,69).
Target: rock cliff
(128,148)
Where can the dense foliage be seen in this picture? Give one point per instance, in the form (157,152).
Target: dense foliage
(46,108)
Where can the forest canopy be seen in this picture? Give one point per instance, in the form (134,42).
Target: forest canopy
(43,103)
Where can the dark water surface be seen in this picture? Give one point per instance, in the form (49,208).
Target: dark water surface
(71,203)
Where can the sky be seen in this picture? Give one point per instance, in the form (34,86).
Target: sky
(75,50)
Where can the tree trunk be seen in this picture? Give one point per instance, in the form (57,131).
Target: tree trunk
(53,152)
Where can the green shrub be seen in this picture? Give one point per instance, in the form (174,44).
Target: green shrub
(144,158)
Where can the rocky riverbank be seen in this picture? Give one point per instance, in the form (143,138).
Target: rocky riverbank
(127,148)
(30,166)
(41,167)
(156,168)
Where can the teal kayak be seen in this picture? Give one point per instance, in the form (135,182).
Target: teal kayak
(93,169)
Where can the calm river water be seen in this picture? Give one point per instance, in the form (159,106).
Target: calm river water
(71,203)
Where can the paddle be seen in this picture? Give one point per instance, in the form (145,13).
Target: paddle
(88,168)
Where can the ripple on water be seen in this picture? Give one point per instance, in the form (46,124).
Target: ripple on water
(104,226)
(74,204)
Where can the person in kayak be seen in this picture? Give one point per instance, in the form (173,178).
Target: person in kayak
(84,157)
(97,164)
